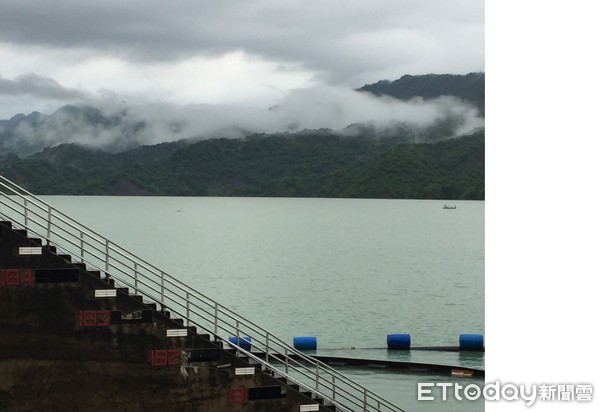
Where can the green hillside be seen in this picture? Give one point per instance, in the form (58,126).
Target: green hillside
(306,164)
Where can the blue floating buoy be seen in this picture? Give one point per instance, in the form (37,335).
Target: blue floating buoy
(243,341)
(305,342)
(398,341)
(470,341)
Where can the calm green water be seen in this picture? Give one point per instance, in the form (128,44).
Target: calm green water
(347,271)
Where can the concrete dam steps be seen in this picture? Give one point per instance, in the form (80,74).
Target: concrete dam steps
(74,340)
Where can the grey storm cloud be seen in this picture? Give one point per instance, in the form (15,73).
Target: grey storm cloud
(340,40)
(39,86)
(162,61)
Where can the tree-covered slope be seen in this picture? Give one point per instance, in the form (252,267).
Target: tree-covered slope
(307,164)
(452,169)
(469,87)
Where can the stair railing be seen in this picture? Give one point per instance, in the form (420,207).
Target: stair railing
(274,354)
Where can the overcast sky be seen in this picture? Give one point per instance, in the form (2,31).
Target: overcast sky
(235,52)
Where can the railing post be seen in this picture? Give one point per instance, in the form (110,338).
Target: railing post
(286,360)
(365,400)
(162,288)
(25,211)
(81,243)
(317,378)
(135,276)
(187,307)
(106,255)
(267,347)
(333,384)
(49,222)
(216,318)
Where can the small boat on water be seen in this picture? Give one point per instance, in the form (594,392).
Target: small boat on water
(449,207)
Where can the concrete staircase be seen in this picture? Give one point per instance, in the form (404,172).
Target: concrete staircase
(71,340)
(71,297)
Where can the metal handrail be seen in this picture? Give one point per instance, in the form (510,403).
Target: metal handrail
(196,308)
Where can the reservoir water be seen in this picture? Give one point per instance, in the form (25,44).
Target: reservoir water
(348,271)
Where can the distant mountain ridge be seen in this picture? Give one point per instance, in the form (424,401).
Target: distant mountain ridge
(469,87)
(119,130)
(398,160)
(24,135)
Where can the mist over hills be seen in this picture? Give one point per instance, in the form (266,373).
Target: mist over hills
(450,103)
(469,88)
(388,139)
(83,124)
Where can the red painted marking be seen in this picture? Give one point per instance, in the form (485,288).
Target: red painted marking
(103,318)
(174,357)
(12,277)
(87,318)
(27,277)
(164,357)
(238,395)
(159,358)
(16,277)
(92,318)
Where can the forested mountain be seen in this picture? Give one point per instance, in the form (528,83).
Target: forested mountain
(398,160)
(322,164)
(470,87)
(24,135)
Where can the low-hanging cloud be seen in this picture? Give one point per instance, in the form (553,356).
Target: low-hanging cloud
(234,52)
(121,125)
(38,86)
(318,107)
